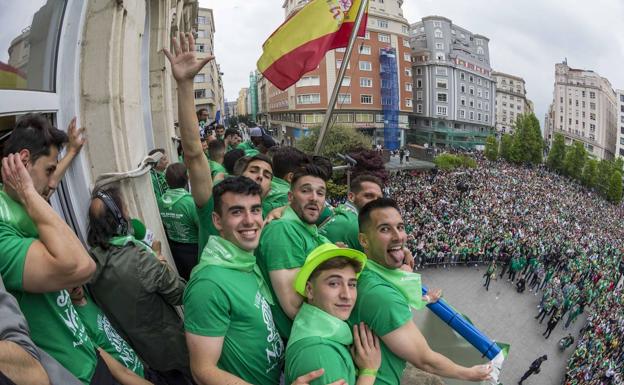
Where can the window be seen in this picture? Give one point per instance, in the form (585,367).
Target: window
(441,83)
(592,95)
(441,71)
(406,43)
(366,66)
(487,94)
(408,87)
(440,56)
(442,97)
(408,102)
(479,41)
(479,92)
(438,34)
(309,81)
(471,90)
(201,33)
(471,79)
(385,83)
(418,83)
(344,98)
(367,35)
(418,71)
(366,82)
(592,105)
(200,47)
(471,103)
(442,110)
(419,108)
(479,116)
(366,99)
(408,72)
(419,95)
(437,24)
(462,76)
(487,106)
(346,81)
(405,29)
(479,105)
(199,78)
(339,64)
(344,118)
(309,99)
(365,50)
(407,57)
(201,19)
(480,51)
(439,46)
(200,94)
(462,101)
(592,116)
(384,38)
(487,118)
(364,118)
(462,88)
(471,115)
(462,114)
(382,23)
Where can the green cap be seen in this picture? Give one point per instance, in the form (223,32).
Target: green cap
(321,254)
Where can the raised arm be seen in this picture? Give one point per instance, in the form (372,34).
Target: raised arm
(408,343)
(76,141)
(57,259)
(185,65)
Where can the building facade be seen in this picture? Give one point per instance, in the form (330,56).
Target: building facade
(208,82)
(619,146)
(241,102)
(511,101)
(584,109)
(454,91)
(360,103)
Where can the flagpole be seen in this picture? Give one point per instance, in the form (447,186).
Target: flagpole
(341,73)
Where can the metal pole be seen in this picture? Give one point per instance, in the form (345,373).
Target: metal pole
(343,69)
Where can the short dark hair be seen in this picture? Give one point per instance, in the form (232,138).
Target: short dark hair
(231,131)
(216,148)
(288,159)
(200,111)
(237,185)
(35,133)
(176,175)
(356,183)
(219,126)
(230,158)
(242,163)
(338,262)
(156,150)
(367,210)
(103,224)
(308,170)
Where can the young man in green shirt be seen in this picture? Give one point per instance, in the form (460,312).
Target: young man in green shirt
(229,327)
(157,173)
(251,146)
(220,132)
(216,152)
(286,160)
(320,334)
(343,225)
(386,295)
(232,139)
(179,217)
(41,255)
(286,242)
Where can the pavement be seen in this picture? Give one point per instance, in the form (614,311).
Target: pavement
(503,315)
(413,164)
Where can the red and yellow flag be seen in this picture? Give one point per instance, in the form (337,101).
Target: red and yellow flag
(300,43)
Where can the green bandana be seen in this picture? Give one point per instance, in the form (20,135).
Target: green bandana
(172,196)
(291,216)
(123,240)
(406,283)
(223,253)
(14,214)
(314,322)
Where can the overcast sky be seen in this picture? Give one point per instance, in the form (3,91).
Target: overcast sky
(527,37)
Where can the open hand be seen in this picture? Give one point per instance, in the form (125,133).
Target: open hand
(480,373)
(76,136)
(307,378)
(366,350)
(184,64)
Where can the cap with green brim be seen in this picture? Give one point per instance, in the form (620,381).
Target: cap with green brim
(321,254)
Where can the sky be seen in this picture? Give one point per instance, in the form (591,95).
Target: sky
(527,37)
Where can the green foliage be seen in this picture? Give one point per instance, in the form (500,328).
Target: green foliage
(340,139)
(590,173)
(491,148)
(505,147)
(336,190)
(575,160)
(527,143)
(556,155)
(614,194)
(450,161)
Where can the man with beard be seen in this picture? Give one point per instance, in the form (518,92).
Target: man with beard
(286,242)
(385,295)
(343,225)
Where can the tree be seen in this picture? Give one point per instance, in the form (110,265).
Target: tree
(527,144)
(557,154)
(491,148)
(614,194)
(505,147)
(603,176)
(339,140)
(575,160)
(369,162)
(590,173)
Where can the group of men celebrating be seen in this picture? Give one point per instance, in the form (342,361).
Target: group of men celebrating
(328,304)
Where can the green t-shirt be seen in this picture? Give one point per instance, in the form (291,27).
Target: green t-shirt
(277,196)
(314,353)
(179,216)
(284,244)
(159,183)
(53,322)
(206,227)
(221,302)
(325,214)
(343,227)
(104,335)
(248,147)
(384,309)
(216,168)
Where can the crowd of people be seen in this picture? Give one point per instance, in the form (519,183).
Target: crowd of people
(537,230)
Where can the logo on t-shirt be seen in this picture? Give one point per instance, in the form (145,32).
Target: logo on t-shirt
(126,354)
(71,319)
(275,345)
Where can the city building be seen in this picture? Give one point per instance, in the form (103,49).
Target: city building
(101,62)
(511,101)
(376,93)
(241,102)
(584,108)
(619,147)
(454,91)
(208,82)
(253,95)
(263,117)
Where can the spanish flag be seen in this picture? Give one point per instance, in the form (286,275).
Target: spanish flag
(300,43)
